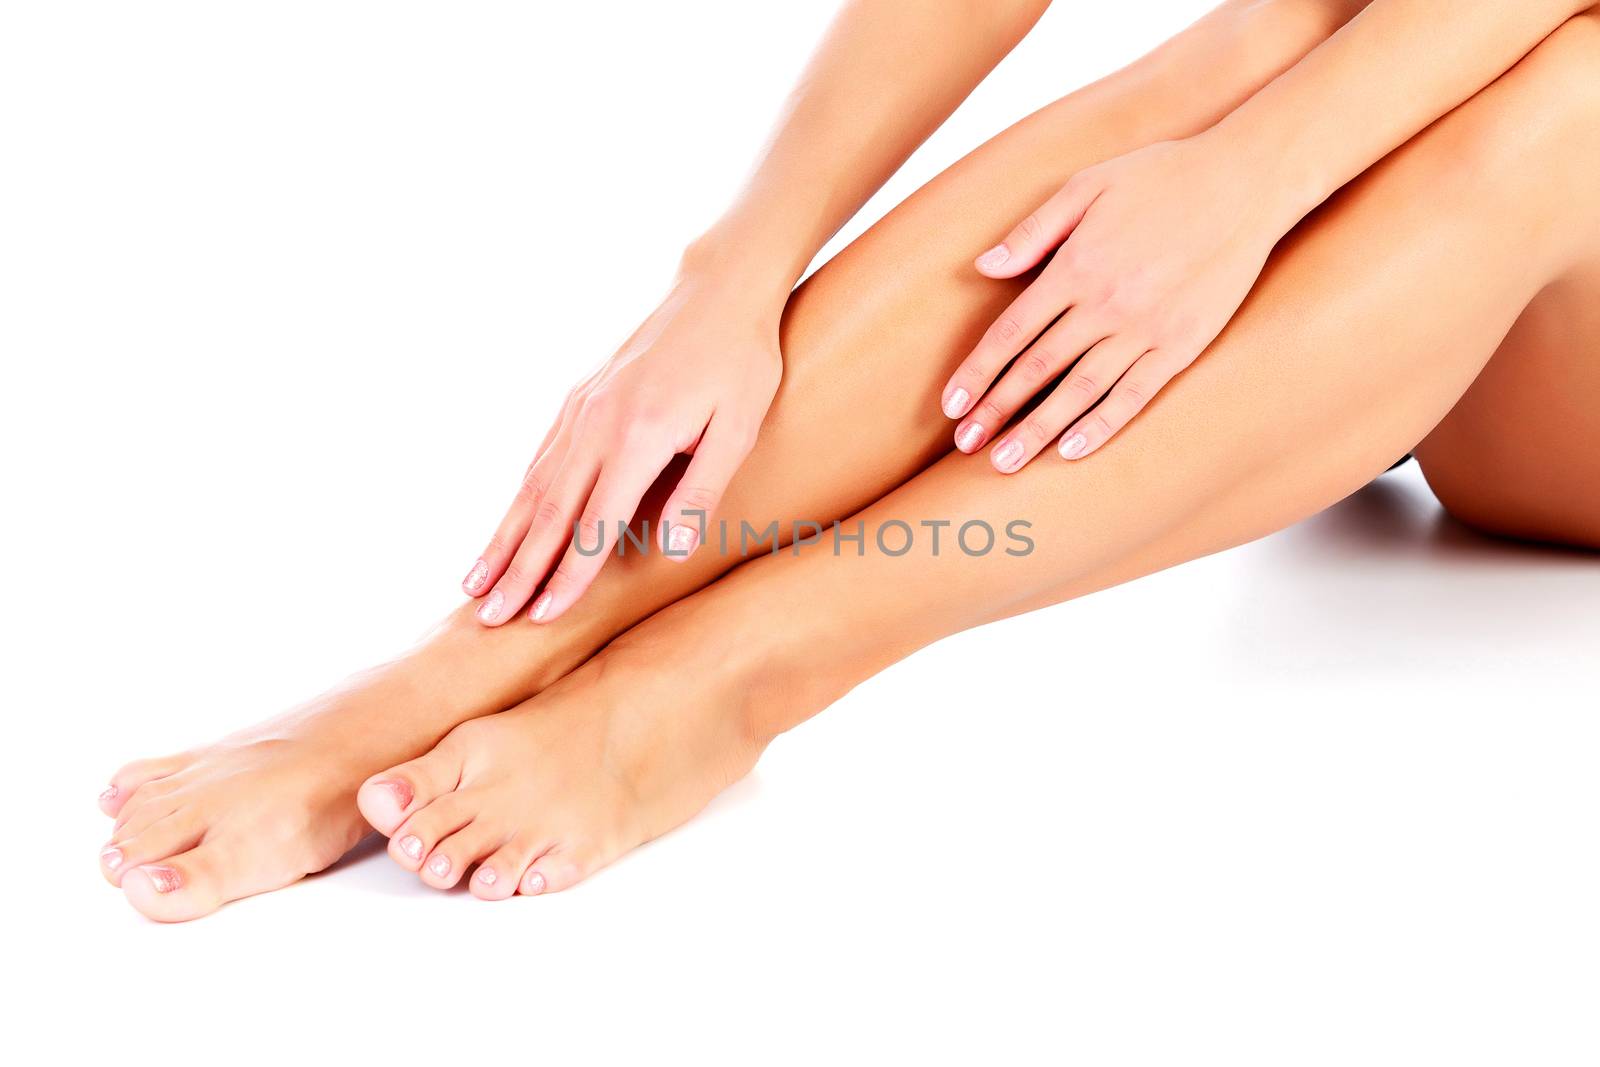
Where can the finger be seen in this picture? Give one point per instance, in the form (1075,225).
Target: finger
(1047,357)
(1030,240)
(1127,398)
(1025,319)
(550,531)
(621,485)
(508,536)
(722,451)
(1105,362)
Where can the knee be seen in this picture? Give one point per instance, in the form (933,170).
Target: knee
(1561,70)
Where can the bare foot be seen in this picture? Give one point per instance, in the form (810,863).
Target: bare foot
(538,798)
(272,804)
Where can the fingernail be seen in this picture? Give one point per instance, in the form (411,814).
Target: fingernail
(541,606)
(401,790)
(1072,447)
(1008,456)
(533,883)
(165,879)
(682,540)
(487,876)
(955,405)
(108,794)
(439,866)
(476,578)
(411,845)
(491,607)
(970,437)
(995,257)
(112,858)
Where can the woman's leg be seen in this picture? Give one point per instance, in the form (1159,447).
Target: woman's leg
(1368,325)
(1519,455)
(867,343)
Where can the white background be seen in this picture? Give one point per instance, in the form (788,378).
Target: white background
(287,294)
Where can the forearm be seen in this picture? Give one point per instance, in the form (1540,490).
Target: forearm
(885,77)
(1388,74)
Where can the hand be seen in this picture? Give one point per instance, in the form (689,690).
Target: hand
(697,377)
(1161,247)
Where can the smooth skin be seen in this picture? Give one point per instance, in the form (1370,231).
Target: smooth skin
(1424,263)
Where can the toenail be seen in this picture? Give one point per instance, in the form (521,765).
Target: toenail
(401,790)
(165,879)
(108,794)
(486,875)
(439,866)
(112,858)
(411,845)
(534,883)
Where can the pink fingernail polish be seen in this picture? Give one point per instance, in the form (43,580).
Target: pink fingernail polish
(995,257)
(541,606)
(955,405)
(165,879)
(108,794)
(490,611)
(1072,447)
(411,845)
(682,540)
(970,437)
(112,858)
(487,876)
(401,790)
(476,578)
(439,866)
(1008,456)
(533,883)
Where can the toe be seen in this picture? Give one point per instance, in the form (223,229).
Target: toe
(134,775)
(387,799)
(498,876)
(179,888)
(557,870)
(452,857)
(176,833)
(414,840)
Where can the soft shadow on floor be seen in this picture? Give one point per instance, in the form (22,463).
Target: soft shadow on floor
(1386,581)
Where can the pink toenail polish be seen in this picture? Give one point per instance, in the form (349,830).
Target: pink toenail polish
(1008,457)
(1072,447)
(401,790)
(491,607)
(411,845)
(487,876)
(165,879)
(541,606)
(682,540)
(112,858)
(439,866)
(533,883)
(970,437)
(108,794)
(955,405)
(994,258)
(476,578)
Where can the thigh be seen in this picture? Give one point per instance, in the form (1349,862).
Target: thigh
(1519,454)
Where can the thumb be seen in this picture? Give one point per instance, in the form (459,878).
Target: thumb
(1036,236)
(716,460)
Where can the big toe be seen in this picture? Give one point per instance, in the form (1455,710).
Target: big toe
(387,799)
(182,887)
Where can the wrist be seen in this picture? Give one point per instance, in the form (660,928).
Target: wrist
(727,257)
(1285,185)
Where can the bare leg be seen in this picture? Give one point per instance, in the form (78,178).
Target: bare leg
(1368,326)
(877,328)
